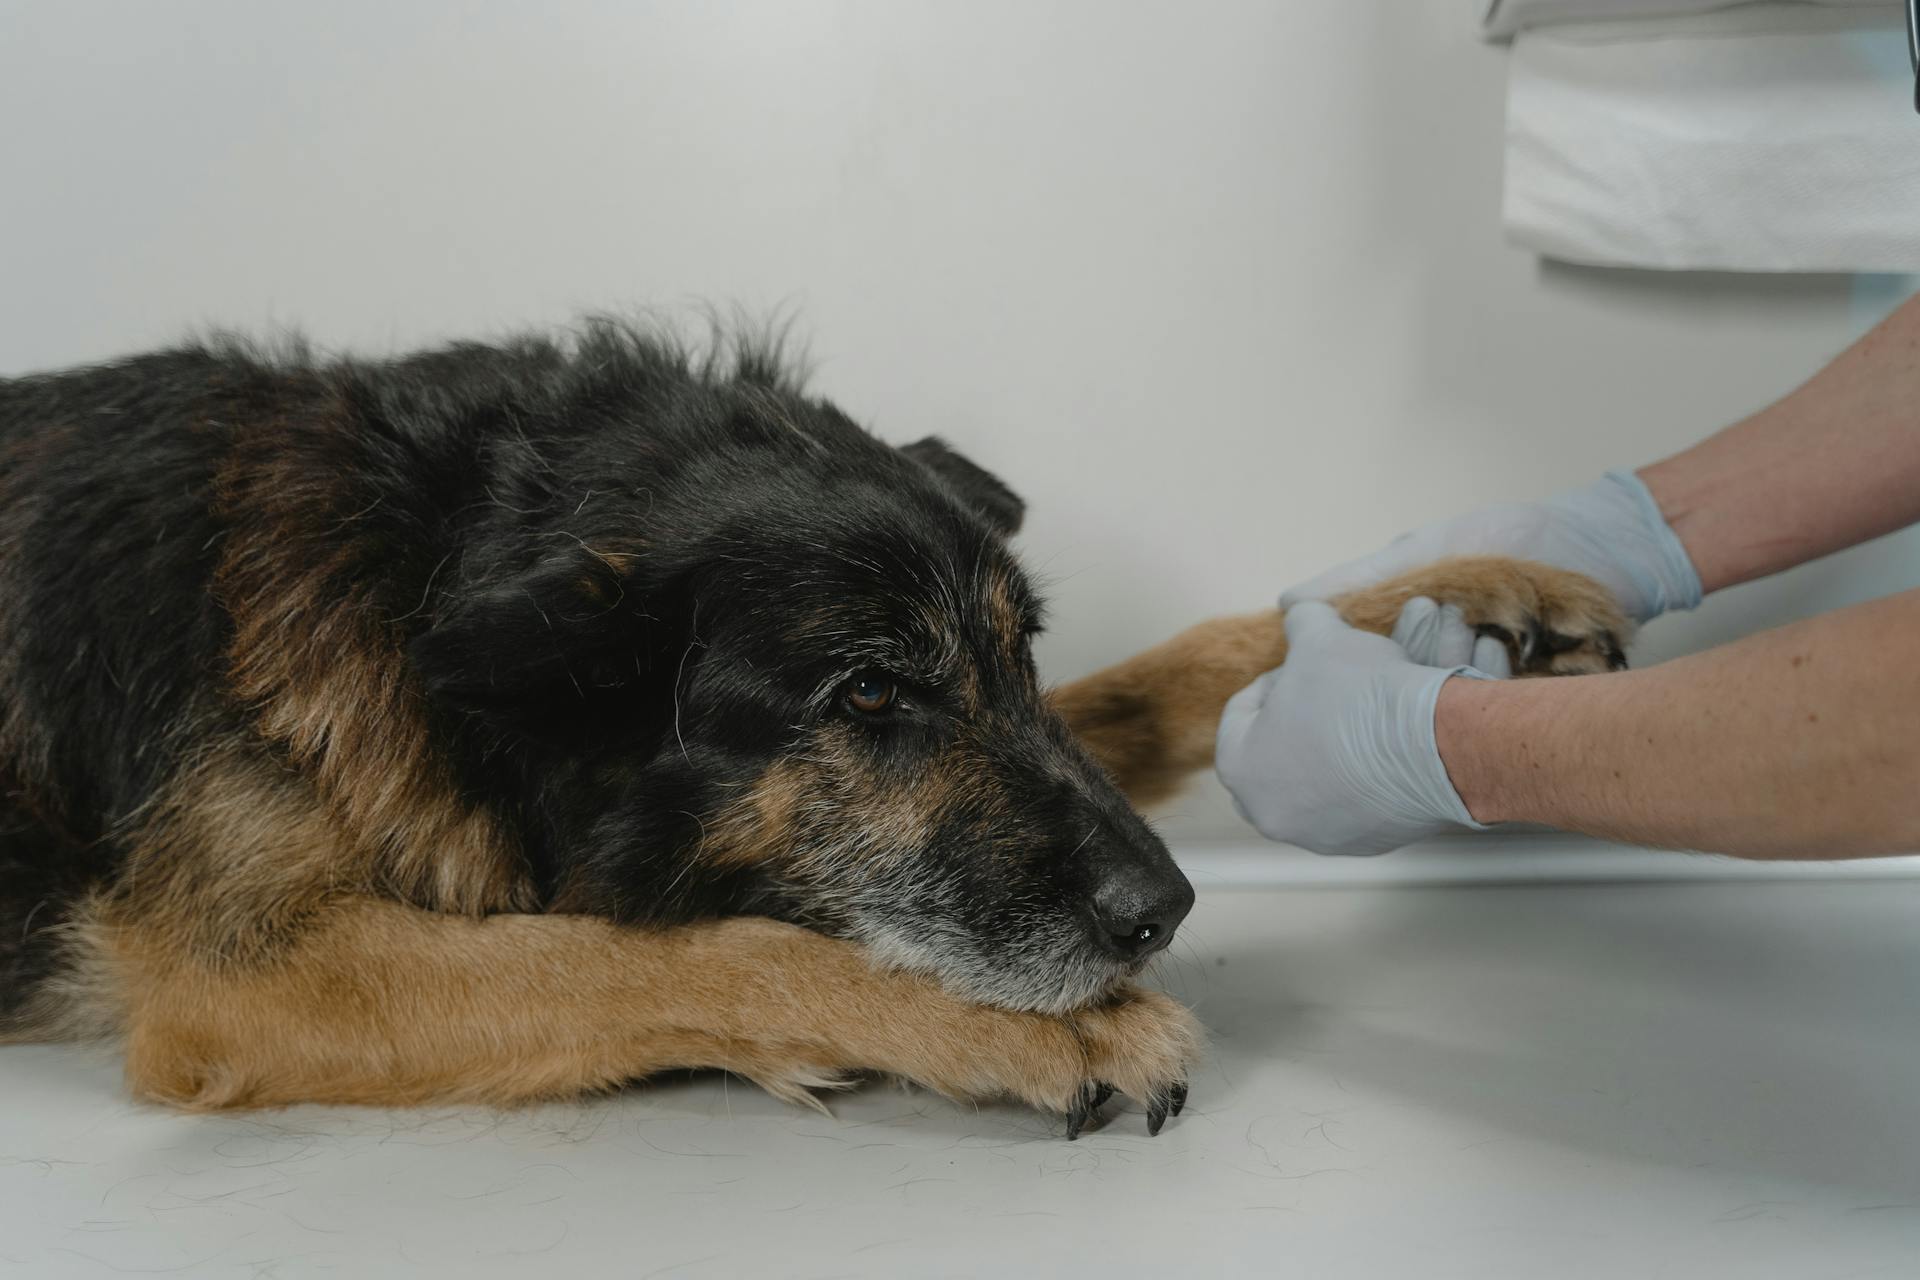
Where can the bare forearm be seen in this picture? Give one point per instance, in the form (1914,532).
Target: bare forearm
(1833,464)
(1803,742)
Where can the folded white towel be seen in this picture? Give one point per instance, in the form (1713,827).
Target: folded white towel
(1769,137)
(1505,17)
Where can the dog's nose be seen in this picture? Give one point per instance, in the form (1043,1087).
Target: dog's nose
(1135,912)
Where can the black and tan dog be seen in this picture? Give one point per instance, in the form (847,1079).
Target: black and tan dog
(510,721)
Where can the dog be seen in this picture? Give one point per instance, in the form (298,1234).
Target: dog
(507,722)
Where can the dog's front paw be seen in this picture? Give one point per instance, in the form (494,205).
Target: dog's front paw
(1553,622)
(1138,1043)
(1142,1044)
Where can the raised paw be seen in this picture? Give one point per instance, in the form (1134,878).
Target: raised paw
(1553,622)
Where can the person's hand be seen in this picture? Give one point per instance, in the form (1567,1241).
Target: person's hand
(1437,635)
(1612,531)
(1334,749)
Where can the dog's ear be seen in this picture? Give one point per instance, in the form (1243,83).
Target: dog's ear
(979,488)
(567,646)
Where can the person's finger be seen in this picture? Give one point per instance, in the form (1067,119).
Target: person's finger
(1247,703)
(1417,628)
(1312,621)
(1237,720)
(1490,655)
(1433,634)
(1455,647)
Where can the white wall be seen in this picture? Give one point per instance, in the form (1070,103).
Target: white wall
(1219,287)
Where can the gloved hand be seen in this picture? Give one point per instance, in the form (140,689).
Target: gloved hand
(1334,750)
(1612,531)
(1437,635)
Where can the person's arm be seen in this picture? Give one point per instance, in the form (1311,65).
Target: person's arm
(1833,464)
(1802,742)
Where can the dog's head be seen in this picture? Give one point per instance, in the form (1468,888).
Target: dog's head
(797,679)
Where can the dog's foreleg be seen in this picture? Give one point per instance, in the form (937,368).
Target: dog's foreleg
(1150,721)
(379,1003)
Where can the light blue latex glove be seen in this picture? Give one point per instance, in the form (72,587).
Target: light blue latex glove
(1437,635)
(1334,750)
(1612,531)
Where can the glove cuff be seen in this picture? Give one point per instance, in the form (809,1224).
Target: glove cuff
(1666,577)
(1440,786)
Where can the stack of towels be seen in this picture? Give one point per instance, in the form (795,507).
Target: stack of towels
(1703,134)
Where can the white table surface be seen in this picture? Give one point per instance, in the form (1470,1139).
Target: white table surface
(1682,1079)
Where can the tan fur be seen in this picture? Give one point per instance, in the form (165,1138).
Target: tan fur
(757,827)
(777,816)
(608,588)
(382,1004)
(237,855)
(1004,617)
(296,982)
(344,711)
(330,683)
(231,864)
(84,1000)
(1151,720)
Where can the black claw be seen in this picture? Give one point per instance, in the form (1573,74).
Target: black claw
(1101,1092)
(1156,1114)
(1610,646)
(1536,650)
(1178,1093)
(1077,1114)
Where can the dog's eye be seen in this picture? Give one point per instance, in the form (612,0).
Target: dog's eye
(870,692)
